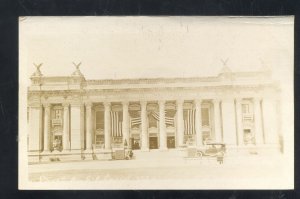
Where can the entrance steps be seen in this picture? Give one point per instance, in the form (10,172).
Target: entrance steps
(157,154)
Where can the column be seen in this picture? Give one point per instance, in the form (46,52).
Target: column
(198,123)
(218,130)
(66,138)
(47,128)
(180,130)
(269,119)
(82,122)
(75,124)
(239,121)
(107,126)
(228,121)
(125,123)
(35,128)
(145,146)
(257,119)
(89,126)
(162,126)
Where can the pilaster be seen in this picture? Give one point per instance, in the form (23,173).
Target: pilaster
(162,126)
(257,119)
(47,128)
(145,146)
(107,125)
(125,124)
(180,130)
(66,137)
(239,121)
(198,122)
(89,126)
(217,121)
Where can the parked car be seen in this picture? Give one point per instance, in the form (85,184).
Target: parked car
(212,150)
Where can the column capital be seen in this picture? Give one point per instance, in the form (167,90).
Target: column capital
(238,100)
(216,100)
(107,104)
(88,104)
(257,99)
(76,104)
(197,101)
(161,102)
(179,102)
(65,104)
(125,103)
(143,103)
(47,105)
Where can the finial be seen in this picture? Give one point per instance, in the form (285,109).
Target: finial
(38,66)
(77,71)
(77,65)
(224,61)
(38,71)
(225,68)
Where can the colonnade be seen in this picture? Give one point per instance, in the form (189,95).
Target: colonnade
(227,121)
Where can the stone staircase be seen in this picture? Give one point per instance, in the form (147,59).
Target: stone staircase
(156,154)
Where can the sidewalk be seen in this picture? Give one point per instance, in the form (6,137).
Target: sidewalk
(254,161)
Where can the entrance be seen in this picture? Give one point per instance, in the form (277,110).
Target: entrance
(171,142)
(135,143)
(153,143)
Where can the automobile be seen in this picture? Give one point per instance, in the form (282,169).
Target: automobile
(212,150)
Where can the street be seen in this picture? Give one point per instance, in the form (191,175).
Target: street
(252,167)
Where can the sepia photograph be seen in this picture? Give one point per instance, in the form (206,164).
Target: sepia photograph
(185,102)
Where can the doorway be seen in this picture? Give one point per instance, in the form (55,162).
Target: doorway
(153,144)
(171,142)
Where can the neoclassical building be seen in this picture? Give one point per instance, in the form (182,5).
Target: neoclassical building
(70,117)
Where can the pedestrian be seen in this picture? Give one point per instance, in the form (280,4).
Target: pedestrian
(220,158)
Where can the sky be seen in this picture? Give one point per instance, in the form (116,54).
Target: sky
(151,47)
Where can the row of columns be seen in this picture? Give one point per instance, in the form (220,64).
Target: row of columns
(223,123)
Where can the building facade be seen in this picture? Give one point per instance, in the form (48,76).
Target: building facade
(70,117)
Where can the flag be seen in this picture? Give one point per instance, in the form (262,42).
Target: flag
(116,124)
(189,122)
(168,120)
(135,121)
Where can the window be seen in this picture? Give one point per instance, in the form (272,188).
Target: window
(99,120)
(205,116)
(99,139)
(248,136)
(27,114)
(57,142)
(245,108)
(205,136)
(57,114)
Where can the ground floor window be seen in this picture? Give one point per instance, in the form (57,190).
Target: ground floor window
(99,139)
(189,140)
(153,142)
(248,137)
(206,137)
(171,142)
(57,142)
(135,143)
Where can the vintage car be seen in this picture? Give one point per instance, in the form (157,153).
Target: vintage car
(212,150)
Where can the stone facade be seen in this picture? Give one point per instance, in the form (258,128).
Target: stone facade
(70,117)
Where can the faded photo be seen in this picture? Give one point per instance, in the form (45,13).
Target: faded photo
(156,102)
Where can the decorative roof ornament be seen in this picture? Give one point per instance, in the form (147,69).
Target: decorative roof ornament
(38,72)
(77,72)
(225,68)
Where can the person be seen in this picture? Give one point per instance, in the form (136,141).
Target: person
(125,144)
(128,154)
(220,158)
